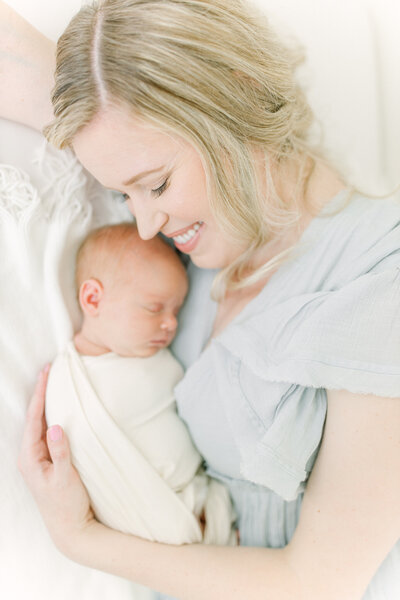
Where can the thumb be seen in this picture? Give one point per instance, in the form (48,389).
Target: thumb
(59,449)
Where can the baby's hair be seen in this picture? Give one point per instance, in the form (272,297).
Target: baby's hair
(99,249)
(100,254)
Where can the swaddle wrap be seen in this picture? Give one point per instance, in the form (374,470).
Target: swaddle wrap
(133,452)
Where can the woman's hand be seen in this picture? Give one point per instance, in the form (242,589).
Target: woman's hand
(45,464)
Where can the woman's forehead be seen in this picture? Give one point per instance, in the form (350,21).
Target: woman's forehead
(117,146)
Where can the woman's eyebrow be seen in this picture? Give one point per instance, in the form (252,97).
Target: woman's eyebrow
(140,175)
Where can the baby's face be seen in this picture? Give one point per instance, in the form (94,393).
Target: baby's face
(139,314)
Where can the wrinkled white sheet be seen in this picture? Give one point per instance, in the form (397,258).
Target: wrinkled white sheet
(41,226)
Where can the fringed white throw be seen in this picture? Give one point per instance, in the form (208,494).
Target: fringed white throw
(43,218)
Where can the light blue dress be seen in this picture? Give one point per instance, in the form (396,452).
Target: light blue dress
(254,398)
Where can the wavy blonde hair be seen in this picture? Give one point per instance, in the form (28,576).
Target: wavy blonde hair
(211,71)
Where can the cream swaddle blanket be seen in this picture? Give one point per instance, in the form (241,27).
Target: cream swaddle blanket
(133,452)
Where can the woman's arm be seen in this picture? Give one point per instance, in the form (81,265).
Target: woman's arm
(27,64)
(349,522)
(350,518)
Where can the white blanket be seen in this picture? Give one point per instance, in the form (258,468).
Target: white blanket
(133,452)
(43,219)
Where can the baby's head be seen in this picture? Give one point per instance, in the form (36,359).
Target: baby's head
(130,292)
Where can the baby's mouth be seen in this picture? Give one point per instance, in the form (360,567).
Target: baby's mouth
(160,342)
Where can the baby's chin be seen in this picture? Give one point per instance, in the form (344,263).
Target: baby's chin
(144,352)
(149,351)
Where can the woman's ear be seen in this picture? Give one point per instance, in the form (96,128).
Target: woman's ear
(90,295)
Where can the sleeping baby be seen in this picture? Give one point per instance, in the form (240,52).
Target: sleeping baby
(112,392)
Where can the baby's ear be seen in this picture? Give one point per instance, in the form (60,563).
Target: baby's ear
(90,295)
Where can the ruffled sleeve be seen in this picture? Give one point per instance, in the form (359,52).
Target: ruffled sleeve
(275,366)
(344,339)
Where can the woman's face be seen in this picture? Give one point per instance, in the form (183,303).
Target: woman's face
(163,179)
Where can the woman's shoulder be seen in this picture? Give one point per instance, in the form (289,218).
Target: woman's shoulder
(352,235)
(369,216)
(330,317)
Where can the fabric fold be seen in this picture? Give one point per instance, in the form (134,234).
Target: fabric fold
(132,451)
(317,325)
(324,339)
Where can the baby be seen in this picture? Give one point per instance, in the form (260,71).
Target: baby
(112,392)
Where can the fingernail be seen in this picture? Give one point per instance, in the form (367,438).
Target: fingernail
(46,368)
(55,433)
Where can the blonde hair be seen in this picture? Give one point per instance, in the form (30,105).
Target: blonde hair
(210,70)
(100,251)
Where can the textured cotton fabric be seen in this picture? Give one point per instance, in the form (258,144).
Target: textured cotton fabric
(44,216)
(131,449)
(254,398)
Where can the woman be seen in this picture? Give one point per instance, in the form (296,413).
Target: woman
(190,110)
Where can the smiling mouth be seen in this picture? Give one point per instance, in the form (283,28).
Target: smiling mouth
(185,238)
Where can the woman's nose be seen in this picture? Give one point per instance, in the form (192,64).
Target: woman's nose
(169,323)
(149,222)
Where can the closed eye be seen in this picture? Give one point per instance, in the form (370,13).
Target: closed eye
(154,309)
(158,191)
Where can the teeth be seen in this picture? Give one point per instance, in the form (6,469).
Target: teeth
(188,235)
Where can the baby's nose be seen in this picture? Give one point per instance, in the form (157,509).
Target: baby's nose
(169,323)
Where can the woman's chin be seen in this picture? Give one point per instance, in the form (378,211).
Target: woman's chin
(210,261)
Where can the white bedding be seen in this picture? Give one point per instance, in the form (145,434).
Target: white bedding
(353,81)
(41,227)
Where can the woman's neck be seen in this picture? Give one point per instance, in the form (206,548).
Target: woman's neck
(305,198)
(323,184)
